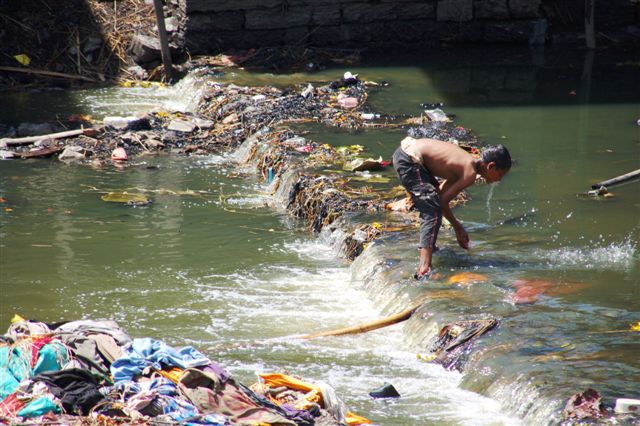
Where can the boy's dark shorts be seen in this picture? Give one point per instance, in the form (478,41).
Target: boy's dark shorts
(422,185)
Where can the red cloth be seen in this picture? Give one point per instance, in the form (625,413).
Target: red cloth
(36,345)
(10,405)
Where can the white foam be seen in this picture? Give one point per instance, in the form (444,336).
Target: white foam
(612,256)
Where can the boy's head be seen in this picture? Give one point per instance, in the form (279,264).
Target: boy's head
(497,162)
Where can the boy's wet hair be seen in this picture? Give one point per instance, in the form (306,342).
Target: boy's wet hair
(497,154)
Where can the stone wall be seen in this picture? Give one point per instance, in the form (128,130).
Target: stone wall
(217,25)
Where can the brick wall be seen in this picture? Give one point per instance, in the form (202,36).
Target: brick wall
(217,25)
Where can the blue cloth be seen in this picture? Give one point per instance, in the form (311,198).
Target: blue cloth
(51,357)
(161,385)
(15,366)
(184,413)
(144,353)
(39,407)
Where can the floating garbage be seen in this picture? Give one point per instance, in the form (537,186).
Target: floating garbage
(93,372)
(385,391)
(361,164)
(119,154)
(467,278)
(126,198)
(454,341)
(437,115)
(627,406)
(584,405)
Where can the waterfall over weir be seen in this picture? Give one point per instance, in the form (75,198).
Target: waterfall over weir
(516,359)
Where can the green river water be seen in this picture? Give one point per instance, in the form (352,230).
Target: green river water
(220,268)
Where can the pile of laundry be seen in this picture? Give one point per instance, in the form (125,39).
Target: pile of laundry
(88,372)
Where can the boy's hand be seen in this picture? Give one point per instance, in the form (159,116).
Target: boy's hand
(462,236)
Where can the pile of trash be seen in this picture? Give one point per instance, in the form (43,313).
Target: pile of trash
(87,372)
(227,115)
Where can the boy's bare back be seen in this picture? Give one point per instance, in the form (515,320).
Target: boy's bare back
(446,160)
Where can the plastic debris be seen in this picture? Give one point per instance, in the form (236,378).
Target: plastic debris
(119,154)
(467,278)
(627,406)
(437,115)
(72,153)
(584,405)
(361,164)
(126,198)
(23,59)
(347,102)
(387,390)
(308,92)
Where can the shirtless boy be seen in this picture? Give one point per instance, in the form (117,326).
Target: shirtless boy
(419,161)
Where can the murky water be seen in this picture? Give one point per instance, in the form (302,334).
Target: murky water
(219,269)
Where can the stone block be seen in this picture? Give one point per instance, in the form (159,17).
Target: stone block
(454,10)
(330,36)
(458,33)
(508,32)
(276,18)
(190,6)
(491,9)
(367,12)
(295,35)
(326,15)
(416,10)
(223,21)
(405,32)
(525,8)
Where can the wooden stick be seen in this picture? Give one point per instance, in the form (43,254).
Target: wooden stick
(165,52)
(363,328)
(59,135)
(590,36)
(47,73)
(617,180)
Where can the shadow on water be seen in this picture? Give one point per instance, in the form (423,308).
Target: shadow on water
(481,76)
(67,40)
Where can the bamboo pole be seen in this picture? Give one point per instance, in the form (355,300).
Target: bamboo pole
(164,41)
(47,73)
(369,326)
(59,135)
(356,329)
(627,177)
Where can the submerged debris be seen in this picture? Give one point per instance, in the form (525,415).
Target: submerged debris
(452,345)
(584,405)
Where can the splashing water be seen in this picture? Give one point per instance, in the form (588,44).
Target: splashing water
(613,256)
(489,197)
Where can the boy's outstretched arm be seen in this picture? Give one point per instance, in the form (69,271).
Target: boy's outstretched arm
(448,191)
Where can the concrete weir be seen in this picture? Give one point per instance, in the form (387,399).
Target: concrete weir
(448,328)
(467,327)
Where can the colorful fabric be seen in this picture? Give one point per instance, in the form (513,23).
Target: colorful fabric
(39,407)
(209,395)
(151,353)
(10,405)
(51,357)
(36,345)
